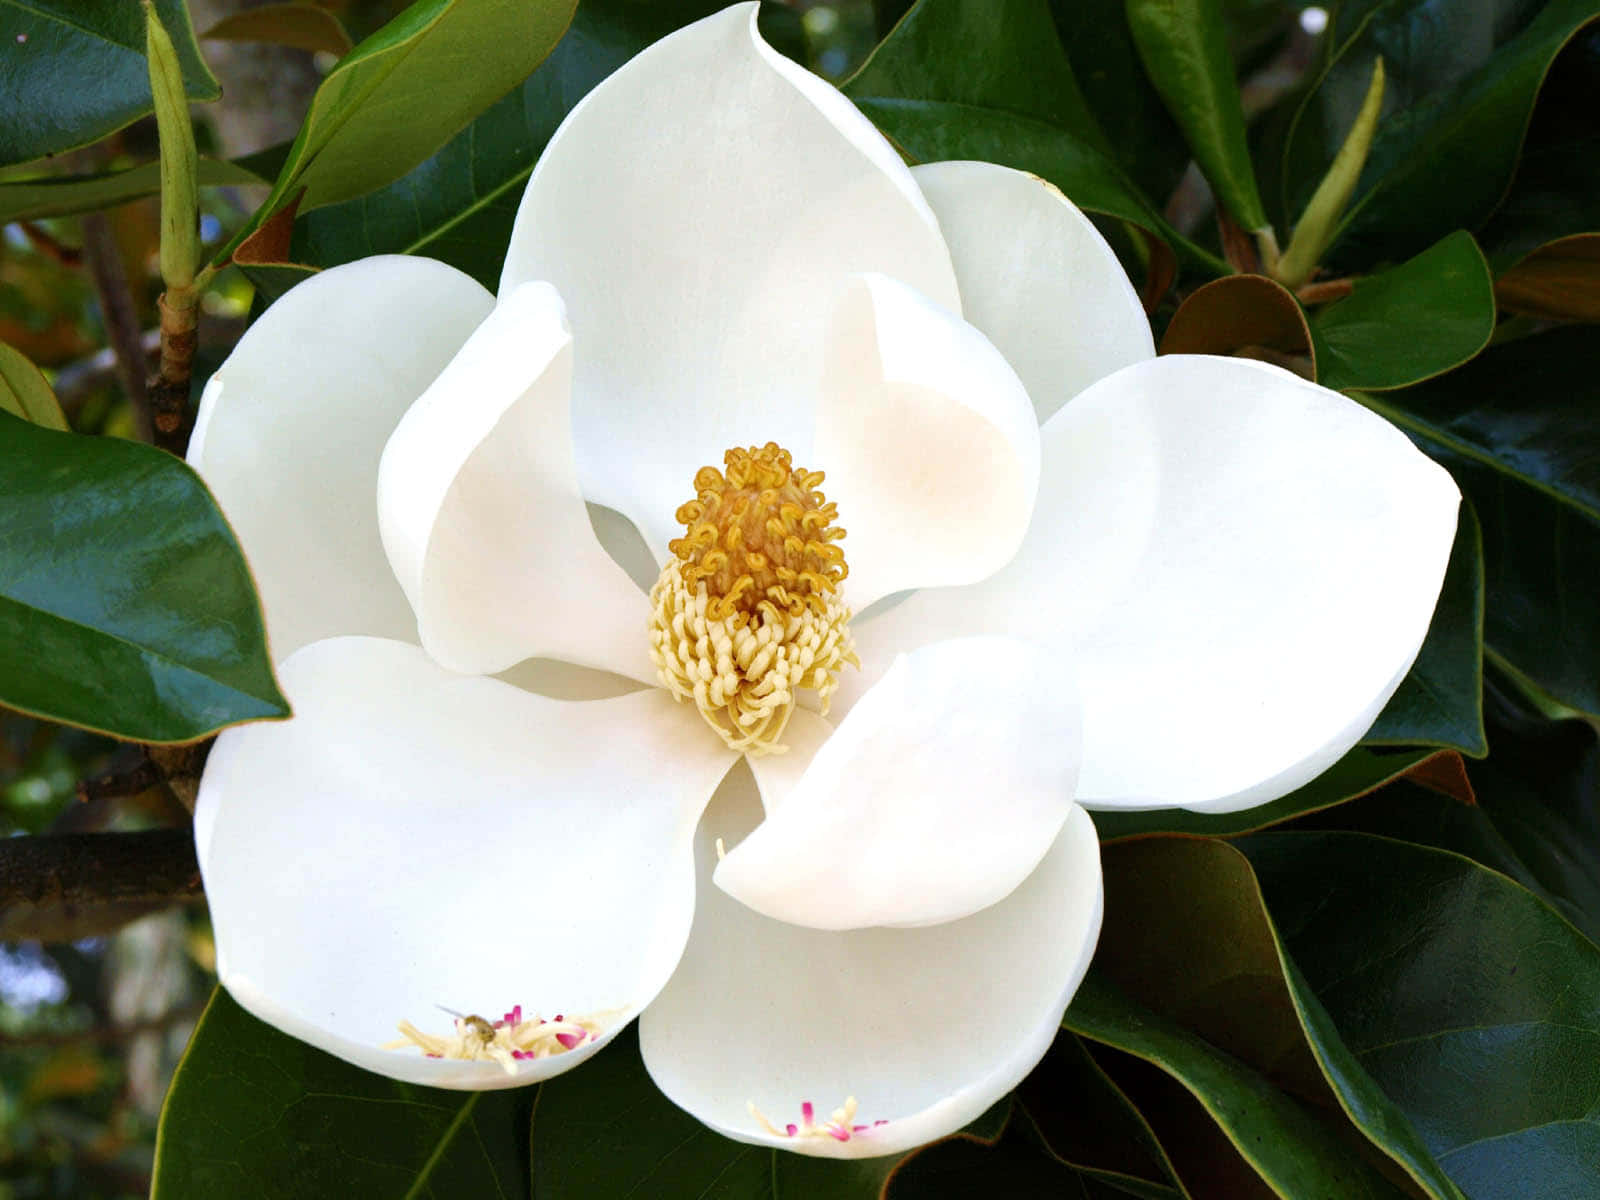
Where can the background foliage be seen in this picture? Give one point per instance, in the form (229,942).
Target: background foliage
(1385,984)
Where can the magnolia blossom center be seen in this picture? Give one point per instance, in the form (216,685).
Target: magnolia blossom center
(505,1041)
(747,613)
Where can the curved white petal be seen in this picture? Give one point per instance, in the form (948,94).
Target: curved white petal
(1037,278)
(925,1027)
(293,423)
(1241,564)
(414,838)
(700,212)
(481,515)
(928,441)
(933,799)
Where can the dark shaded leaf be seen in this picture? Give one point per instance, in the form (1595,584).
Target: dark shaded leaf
(1408,323)
(1559,281)
(1473,1004)
(254,1113)
(125,604)
(1516,429)
(74,71)
(62,195)
(1464,76)
(1239,313)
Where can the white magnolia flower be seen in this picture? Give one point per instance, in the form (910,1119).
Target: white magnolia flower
(1140,581)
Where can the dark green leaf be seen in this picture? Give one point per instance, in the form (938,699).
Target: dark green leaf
(458,206)
(961,79)
(1464,76)
(1440,701)
(125,605)
(1235,988)
(1515,428)
(24,392)
(1184,47)
(1408,323)
(61,195)
(254,1113)
(1474,1005)
(1357,773)
(75,71)
(1140,131)
(1279,1136)
(404,91)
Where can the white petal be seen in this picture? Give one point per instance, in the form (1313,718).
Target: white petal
(481,515)
(925,1027)
(1037,278)
(928,441)
(700,212)
(1242,566)
(414,838)
(933,799)
(292,425)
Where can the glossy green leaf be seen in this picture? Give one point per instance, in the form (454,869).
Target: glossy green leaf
(458,206)
(62,195)
(1184,47)
(1469,1000)
(1464,76)
(1235,988)
(606,1130)
(74,71)
(1278,1135)
(1440,701)
(1141,133)
(1515,428)
(963,79)
(254,1114)
(24,392)
(1409,323)
(1360,771)
(407,89)
(125,605)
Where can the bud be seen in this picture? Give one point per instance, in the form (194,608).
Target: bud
(1314,231)
(180,220)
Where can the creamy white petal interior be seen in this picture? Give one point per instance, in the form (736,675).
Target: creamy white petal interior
(929,443)
(415,838)
(293,423)
(480,511)
(1037,278)
(1241,564)
(701,253)
(933,799)
(924,1027)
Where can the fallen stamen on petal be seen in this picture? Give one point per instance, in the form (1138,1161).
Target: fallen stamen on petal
(841,1124)
(747,612)
(505,1041)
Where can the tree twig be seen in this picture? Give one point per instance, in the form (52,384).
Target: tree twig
(122,322)
(48,244)
(61,887)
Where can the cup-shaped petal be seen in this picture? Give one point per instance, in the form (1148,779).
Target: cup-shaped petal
(934,798)
(292,425)
(1241,566)
(1037,278)
(700,212)
(928,441)
(926,1028)
(481,515)
(415,839)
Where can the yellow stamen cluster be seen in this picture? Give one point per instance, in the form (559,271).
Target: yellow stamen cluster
(747,611)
